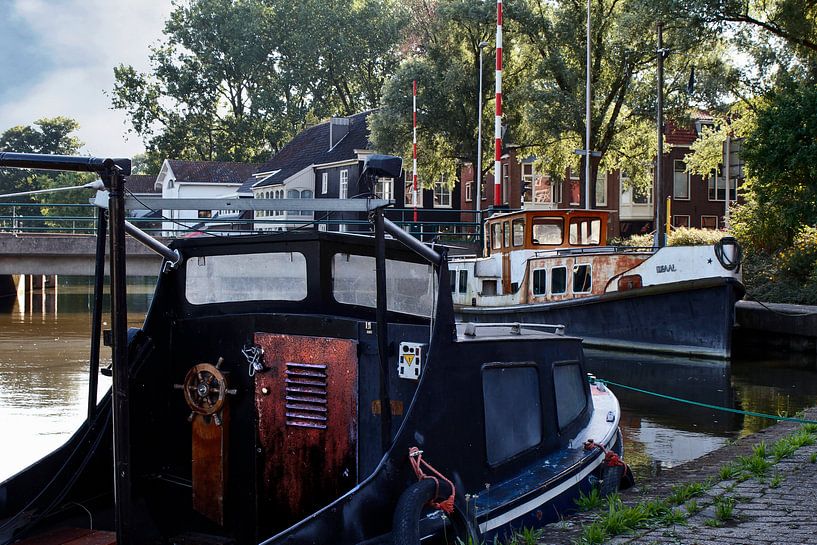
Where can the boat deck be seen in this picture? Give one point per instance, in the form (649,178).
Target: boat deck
(72,536)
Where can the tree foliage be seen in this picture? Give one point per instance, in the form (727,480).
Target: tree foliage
(780,154)
(442,54)
(235,79)
(52,136)
(622,78)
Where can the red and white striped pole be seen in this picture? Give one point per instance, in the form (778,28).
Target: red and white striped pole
(414,147)
(498,117)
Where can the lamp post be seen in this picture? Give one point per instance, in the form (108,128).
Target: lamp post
(478,176)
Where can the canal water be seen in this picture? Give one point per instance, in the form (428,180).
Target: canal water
(44,345)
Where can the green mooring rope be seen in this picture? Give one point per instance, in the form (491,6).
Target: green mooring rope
(707,405)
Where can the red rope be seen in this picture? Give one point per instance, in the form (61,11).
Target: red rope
(610,458)
(417,464)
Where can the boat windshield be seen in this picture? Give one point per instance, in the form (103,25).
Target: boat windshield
(409,286)
(548,231)
(279,276)
(585,231)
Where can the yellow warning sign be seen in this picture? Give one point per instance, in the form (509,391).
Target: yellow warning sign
(409,358)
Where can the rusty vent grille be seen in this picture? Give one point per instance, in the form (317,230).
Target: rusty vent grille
(306,395)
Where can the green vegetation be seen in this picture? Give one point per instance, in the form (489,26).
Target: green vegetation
(679,236)
(618,518)
(589,501)
(682,493)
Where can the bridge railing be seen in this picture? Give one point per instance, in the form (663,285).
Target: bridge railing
(77,219)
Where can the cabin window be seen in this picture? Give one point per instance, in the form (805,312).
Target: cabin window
(409,286)
(585,231)
(463,281)
(540,281)
(513,410)
(246,277)
(518,232)
(452,278)
(324,183)
(571,400)
(582,279)
(558,280)
(496,236)
(506,234)
(548,231)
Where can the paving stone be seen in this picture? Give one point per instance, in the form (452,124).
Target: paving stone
(762,515)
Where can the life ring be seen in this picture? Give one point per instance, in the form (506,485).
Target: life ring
(406,522)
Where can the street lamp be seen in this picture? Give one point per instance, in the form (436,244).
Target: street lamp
(478,177)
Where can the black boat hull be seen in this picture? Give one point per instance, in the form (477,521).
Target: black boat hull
(693,318)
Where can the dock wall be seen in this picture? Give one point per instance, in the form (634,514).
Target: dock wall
(776,326)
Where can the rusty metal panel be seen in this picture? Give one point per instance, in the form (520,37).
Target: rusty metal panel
(210,464)
(306,404)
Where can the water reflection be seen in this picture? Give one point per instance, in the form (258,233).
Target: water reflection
(44,347)
(661,433)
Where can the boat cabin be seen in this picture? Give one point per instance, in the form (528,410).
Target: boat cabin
(545,230)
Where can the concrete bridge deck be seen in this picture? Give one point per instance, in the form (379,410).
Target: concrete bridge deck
(46,254)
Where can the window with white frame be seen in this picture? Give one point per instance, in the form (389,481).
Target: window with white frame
(634,195)
(442,194)
(575,188)
(469,191)
(716,184)
(324,183)
(384,188)
(601,188)
(408,194)
(343,191)
(680,180)
(680,221)
(709,222)
(506,183)
(528,180)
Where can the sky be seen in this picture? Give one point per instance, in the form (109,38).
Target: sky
(57,58)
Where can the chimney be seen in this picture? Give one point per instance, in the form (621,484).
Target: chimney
(338,128)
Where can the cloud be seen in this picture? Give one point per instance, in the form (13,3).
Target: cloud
(67,63)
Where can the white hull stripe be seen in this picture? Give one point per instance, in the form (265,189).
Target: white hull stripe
(530,505)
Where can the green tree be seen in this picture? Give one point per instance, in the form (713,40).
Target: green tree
(235,79)
(780,156)
(442,54)
(551,42)
(48,136)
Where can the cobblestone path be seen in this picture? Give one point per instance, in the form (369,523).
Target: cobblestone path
(778,508)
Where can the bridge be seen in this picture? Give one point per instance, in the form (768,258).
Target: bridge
(66,254)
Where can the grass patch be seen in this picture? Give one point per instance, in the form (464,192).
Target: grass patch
(728,471)
(775,482)
(754,465)
(693,507)
(672,517)
(682,493)
(590,501)
(724,508)
(594,534)
(526,536)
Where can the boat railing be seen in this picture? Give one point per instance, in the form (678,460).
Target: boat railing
(595,250)
(515,328)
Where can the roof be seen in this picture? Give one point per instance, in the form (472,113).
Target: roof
(213,172)
(141,183)
(311,147)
